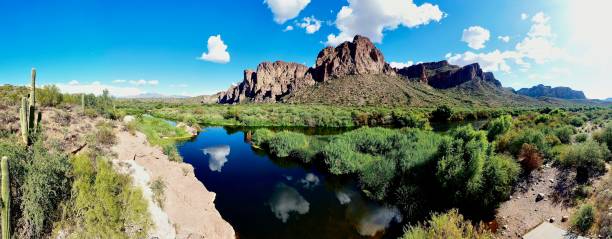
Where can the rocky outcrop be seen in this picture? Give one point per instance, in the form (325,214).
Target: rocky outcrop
(443,75)
(359,57)
(555,92)
(270,82)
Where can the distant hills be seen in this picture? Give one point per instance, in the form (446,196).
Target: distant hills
(355,73)
(555,92)
(154,96)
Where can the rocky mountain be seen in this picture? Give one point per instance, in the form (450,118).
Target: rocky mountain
(555,92)
(355,73)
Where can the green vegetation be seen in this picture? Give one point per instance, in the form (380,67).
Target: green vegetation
(604,136)
(441,114)
(587,158)
(583,219)
(162,134)
(602,200)
(498,126)
(447,225)
(158,186)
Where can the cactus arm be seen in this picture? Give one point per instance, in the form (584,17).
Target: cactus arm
(23,118)
(6,200)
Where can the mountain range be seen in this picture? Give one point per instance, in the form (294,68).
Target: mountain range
(356,73)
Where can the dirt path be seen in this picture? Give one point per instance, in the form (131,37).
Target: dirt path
(188,205)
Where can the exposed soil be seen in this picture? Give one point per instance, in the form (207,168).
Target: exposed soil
(188,206)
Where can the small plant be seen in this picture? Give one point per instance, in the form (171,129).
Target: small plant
(530,157)
(582,137)
(158,187)
(583,219)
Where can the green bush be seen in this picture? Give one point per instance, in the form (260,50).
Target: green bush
(498,126)
(261,137)
(604,136)
(447,225)
(49,95)
(587,158)
(583,219)
(528,136)
(442,113)
(286,142)
(577,121)
(376,178)
(542,118)
(564,134)
(582,137)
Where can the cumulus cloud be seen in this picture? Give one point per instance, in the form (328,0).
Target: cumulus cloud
(310,24)
(475,37)
(377,220)
(524,16)
(400,65)
(504,38)
(371,17)
(288,28)
(285,10)
(139,82)
(119,81)
(96,87)
(538,46)
(285,200)
(217,156)
(217,51)
(310,181)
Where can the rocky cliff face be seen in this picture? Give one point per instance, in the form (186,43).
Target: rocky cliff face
(556,92)
(442,75)
(273,81)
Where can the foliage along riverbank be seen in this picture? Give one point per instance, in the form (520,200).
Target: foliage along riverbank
(419,170)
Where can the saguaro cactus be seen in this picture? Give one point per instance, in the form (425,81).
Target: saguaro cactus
(6,199)
(83,102)
(29,121)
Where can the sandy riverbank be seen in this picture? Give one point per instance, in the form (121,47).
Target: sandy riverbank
(189,210)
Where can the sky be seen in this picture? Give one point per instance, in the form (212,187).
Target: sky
(200,47)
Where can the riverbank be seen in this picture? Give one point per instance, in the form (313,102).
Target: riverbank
(188,206)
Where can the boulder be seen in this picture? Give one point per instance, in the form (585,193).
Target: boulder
(539,197)
(191,130)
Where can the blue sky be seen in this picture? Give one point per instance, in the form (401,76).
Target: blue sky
(153,46)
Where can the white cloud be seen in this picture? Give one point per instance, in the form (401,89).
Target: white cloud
(504,38)
(217,156)
(285,200)
(119,81)
(96,87)
(217,51)
(141,82)
(524,16)
(400,65)
(475,37)
(288,28)
(537,46)
(310,24)
(285,10)
(371,17)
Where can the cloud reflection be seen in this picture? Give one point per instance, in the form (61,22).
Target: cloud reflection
(310,181)
(285,200)
(343,197)
(378,219)
(218,156)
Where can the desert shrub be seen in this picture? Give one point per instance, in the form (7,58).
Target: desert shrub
(376,178)
(105,134)
(530,157)
(158,187)
(582,137)
(49,95)
(462,169)
(46,184)
(583,219)
(441,114)
(131,127)
(587,158)
(286,142)
(577,121)
(604,136)
(171,151)
(602,203)
(498,126)
(447,225)
(528,136)
(104,203)
(261,136)
(564,134)
(542,118)
(412,120)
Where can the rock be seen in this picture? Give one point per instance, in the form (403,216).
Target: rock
(539,197)
(505,227)
(442,75)
(551,180)
(359,57)
(556,92)
(564,218)
(551,220)
(128,118)
(191,130)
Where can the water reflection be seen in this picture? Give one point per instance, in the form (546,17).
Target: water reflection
(343,197)
(217,156)
(310,181)
(378,219)
(285,200)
